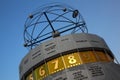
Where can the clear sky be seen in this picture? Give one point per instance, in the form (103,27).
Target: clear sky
(102,18)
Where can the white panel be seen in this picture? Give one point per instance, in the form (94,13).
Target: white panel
(66,43)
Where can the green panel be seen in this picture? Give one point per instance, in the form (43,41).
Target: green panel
(41,72)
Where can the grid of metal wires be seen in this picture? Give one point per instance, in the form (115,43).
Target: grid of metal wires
(52,20)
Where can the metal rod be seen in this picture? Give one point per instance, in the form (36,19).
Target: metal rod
(49,22)
(51,36)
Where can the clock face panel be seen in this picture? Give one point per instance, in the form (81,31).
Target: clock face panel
(71,60)
(41,72)
(55,65)
(87,57)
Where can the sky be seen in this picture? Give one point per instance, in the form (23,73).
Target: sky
(102,18)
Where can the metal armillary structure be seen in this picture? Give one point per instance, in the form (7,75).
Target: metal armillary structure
(51,21)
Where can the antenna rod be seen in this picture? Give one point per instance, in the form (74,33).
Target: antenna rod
(49,21)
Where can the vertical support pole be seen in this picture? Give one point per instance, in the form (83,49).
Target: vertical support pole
(49,22)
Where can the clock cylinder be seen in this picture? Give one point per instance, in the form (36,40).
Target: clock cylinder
(80,56)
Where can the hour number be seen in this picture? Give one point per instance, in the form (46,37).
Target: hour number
(56,64)
(72,60)
(31,77)
(41,71)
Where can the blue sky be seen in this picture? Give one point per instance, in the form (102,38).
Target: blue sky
(102,18)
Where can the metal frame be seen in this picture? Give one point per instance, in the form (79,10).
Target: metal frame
(47,18)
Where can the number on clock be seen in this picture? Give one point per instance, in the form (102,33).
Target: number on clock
(55,65)
(71,60)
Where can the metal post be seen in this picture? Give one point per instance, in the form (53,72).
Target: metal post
(49,22)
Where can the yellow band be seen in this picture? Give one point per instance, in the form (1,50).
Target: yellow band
(67,61)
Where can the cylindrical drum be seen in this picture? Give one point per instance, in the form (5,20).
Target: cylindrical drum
(80,56)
